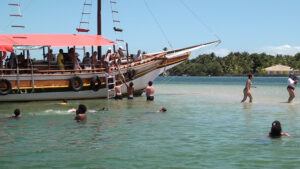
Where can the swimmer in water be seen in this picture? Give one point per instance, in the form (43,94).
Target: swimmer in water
(81,113)
(276,130)
(162,110)
(17,114)
(247,92)
(64,102)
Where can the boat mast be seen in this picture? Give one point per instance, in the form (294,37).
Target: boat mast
(99,28)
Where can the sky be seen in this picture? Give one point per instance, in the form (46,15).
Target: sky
(270,26)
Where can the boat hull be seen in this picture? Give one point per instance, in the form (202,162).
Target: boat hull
(139,83)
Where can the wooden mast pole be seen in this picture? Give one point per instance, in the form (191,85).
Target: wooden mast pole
(99,28)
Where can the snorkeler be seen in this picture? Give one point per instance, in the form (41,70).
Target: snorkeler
(81,113)
(276,130)
(17,114)
(247,92)
(292,81)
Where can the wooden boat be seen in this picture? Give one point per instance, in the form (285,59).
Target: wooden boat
(36,81)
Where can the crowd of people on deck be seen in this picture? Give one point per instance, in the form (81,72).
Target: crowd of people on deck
(70,60)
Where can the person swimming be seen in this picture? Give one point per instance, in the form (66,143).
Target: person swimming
(64,102)
(247,92)
(276,130)
(17,113)
(81,113)
(162,110)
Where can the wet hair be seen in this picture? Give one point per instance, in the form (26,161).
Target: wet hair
(250,75)
(17,112)
(163,109)
(81,109)
(131,84)
(150,83)
(275,129)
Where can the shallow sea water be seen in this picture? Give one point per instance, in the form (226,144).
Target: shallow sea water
(205,126)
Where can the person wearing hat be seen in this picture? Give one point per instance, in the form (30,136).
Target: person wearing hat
(292,81)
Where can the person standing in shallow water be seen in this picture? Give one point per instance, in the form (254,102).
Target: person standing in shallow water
(247,92)
(292,81)
(276,130)
(149,91)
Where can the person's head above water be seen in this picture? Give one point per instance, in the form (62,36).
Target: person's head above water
(275,129)
(17,112)
(81,109)
(162,110)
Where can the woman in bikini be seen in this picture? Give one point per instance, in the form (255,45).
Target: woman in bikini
(247,92)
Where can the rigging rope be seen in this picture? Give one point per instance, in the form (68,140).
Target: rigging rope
(160,27)
(199,19)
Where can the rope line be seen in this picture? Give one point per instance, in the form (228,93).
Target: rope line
(160,27)
(199,19)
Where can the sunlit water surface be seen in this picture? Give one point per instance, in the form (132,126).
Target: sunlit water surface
(205,126)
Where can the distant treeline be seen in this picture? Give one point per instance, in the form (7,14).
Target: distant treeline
(233,64)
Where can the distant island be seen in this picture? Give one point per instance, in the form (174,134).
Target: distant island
(234,64)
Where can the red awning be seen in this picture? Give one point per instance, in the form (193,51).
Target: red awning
(55,40)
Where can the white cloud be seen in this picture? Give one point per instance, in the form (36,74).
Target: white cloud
(283,49)
(218,52)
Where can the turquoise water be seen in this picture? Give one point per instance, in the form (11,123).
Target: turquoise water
(206,126)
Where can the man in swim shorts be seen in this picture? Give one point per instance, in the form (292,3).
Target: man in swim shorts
(150,91)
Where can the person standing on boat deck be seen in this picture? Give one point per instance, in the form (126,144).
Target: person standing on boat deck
(86,61)
(107,60)
(60,60)
(50,56)
(150,91)
(81,113)
(276,130)
(247,92)
(12,62)
(94,59)
(119,55)
(138,56)
(292,81)
(118,90)
(76,62)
